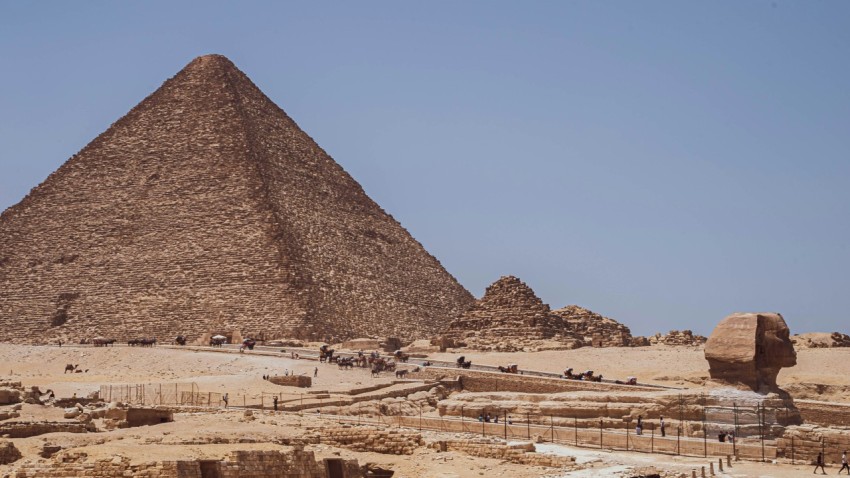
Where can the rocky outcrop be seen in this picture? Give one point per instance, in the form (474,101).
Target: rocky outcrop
(509,317)
(749,349)
(593,329)
(678,337)
(205,209)
(816,340)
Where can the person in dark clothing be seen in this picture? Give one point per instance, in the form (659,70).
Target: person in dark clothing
(819,464)
(275,403)
(844,465)
(663,431)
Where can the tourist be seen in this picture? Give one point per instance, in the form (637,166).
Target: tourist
(730,437)
(224,398)
(487,418)
(844,465)
(721,437)
(274,400)
(639,427)
(480,417)
(663,432)
(819,464)
(315,372)
(510,421)
(496,419)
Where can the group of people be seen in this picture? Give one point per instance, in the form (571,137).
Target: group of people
(487,418)
(726,437)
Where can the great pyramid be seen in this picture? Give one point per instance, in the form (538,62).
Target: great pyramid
(207,209)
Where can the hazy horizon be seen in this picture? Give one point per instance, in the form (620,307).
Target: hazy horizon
(660,163)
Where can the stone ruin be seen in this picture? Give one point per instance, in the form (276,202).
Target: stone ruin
(749,349)
(207,208)
(510,316)
(678,338)
(594,329)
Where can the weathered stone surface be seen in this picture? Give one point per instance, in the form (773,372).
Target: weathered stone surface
(749,349)
(510,316)
(678,337)
(207,209)
(301,381)
(592,328)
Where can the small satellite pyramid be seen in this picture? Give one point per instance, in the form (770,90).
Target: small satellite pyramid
(206,209)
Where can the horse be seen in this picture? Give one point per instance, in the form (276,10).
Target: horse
(400,373)
(217,342)
(134,342)
(180,340)
(401,356)
(375,371)
(148,342)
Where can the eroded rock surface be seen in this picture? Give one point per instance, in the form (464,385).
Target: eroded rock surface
(749,349)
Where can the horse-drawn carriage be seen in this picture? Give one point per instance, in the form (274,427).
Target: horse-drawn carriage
(180,340)
(462,362)
(248,343)
(326,354)
(401,356)
(511,368)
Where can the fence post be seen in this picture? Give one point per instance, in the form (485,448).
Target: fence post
(420,417)
(462,428)
(552,427)
(652,440)
(575,425)
(704,435)
(761,422)
(600,433)
(679,439)
(528,424)
(627,437)
(505,420)
(483,430)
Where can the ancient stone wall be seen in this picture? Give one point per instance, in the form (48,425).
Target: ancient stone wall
(480,381)
(205,209)
(824,413)
(378,440)
(804,442)
(301,381)
(29,429)
(522,453)
(239,464)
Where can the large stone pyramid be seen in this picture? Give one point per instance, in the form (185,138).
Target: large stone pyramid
(207,209)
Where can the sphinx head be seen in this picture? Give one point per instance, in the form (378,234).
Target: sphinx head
(750,349)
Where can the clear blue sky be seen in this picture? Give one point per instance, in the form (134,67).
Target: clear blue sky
(662,163)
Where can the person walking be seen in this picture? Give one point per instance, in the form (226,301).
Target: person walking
(819,464)
(844,465)
(663,432)
(274,400)
(224,399)
(639,427)
(315,372)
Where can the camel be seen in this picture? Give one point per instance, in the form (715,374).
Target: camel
(70,368)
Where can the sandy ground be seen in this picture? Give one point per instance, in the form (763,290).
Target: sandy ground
(820,374)
(241,374)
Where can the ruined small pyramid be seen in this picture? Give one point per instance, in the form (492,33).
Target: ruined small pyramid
(592,328)
(510,316)
(207,209)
